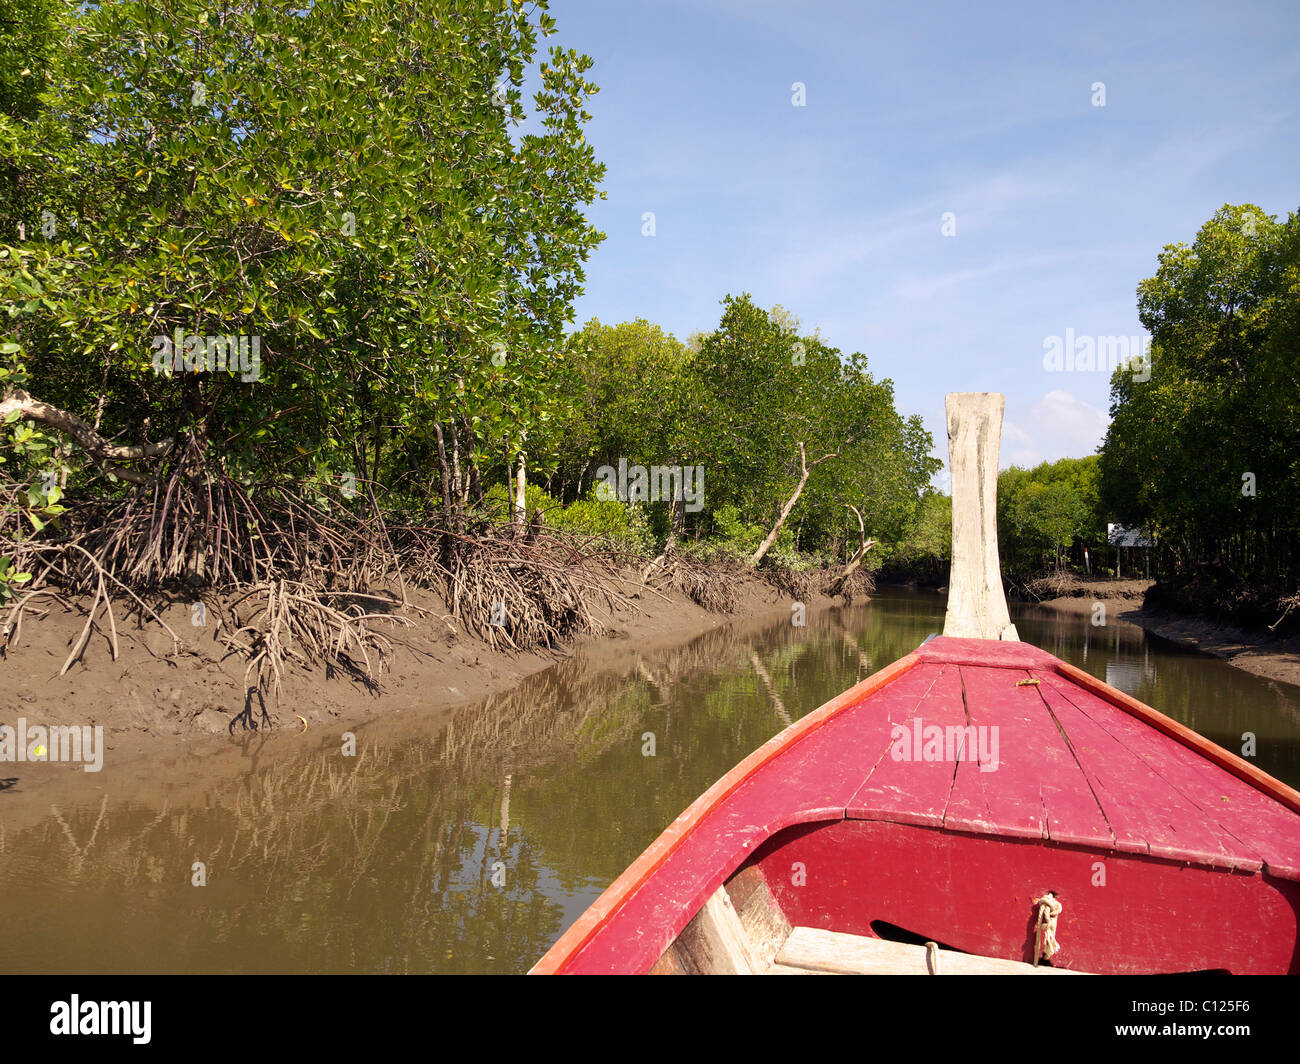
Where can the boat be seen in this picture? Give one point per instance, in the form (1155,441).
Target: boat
(978,806)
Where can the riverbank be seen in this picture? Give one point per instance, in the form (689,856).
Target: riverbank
(153,700)
(1257,652)
(1075,595)
(154,703)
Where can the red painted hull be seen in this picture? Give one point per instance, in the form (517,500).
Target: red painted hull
(1126,915)
(1167,853)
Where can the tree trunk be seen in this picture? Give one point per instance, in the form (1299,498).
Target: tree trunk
(766,545)
(676,522)
(851,567)
(448,506)
(457,479)
(475,480)
(519,507)
(194,466)
(806,472)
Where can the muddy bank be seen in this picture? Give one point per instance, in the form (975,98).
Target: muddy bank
(1079,597)
(1058,592)
(153,701)
(1260,653)
(544,719)
(1257,652)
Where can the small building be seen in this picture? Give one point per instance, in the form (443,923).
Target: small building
(1130,539)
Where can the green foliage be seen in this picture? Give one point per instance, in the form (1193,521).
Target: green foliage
(739,401)
(362,187)
(497,503)
(28,32)
(32,460)
(11,578)
(631,387)
(1044,511)
(627,526)
(926,548)
(607,519)
(735,536)
(1224,317)
(595,517)
(762,390)
(348,182)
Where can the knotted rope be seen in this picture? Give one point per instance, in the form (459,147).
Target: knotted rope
(1045,944)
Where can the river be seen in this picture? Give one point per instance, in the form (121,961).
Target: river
(466,841)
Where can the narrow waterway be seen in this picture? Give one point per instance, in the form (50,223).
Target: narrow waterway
(466,842)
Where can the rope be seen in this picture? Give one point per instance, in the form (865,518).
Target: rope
(1045,944)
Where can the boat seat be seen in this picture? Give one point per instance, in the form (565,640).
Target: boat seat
(741,930)
(813,951)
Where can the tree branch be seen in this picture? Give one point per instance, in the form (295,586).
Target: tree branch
(99,449)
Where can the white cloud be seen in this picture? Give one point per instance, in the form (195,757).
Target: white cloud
(1018,447)
(1059,425)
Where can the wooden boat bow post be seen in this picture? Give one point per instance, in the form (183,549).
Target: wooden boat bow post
(977,604)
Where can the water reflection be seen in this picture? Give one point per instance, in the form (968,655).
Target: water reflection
(466,842)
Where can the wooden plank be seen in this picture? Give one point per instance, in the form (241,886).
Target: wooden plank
(968,803)
(833,953)
(1225,759)
(1145,813)
(671,963)
(1037,789)
(636,945)
(945,650)
(716,942)
(1263,828)
(912,791)
(743,884)
(764,923)
(979,800)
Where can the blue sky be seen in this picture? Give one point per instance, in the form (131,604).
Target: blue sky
(835,209)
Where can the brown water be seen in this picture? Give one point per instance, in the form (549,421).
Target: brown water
(466,842)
